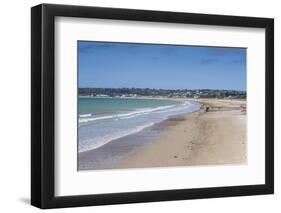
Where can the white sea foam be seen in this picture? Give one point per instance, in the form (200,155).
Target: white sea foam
(143,111)
(85,115)
(88,144)
(112,127)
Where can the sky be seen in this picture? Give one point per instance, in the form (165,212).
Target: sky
(117,65)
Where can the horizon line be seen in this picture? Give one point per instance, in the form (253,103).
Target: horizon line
(157,88)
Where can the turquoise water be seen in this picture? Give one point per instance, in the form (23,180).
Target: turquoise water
(106,106)
(102,120)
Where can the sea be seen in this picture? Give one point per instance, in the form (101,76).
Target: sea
(103,120)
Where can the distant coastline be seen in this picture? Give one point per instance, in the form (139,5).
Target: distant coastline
(161,93)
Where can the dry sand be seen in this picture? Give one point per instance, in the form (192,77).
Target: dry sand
(217,136)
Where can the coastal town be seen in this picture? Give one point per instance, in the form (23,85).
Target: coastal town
(175,93)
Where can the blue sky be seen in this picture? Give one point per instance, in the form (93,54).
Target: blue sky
(115,65)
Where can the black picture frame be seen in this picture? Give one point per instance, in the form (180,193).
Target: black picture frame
(43,102)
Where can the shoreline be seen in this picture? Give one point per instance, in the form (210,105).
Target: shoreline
(185,131)
(213,137)
(140,127)
(119,149)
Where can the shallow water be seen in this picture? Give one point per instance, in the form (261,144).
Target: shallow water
(104,120)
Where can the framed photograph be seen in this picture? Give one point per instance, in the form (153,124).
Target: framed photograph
(139,106)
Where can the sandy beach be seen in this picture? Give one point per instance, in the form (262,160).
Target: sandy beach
(216,134)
